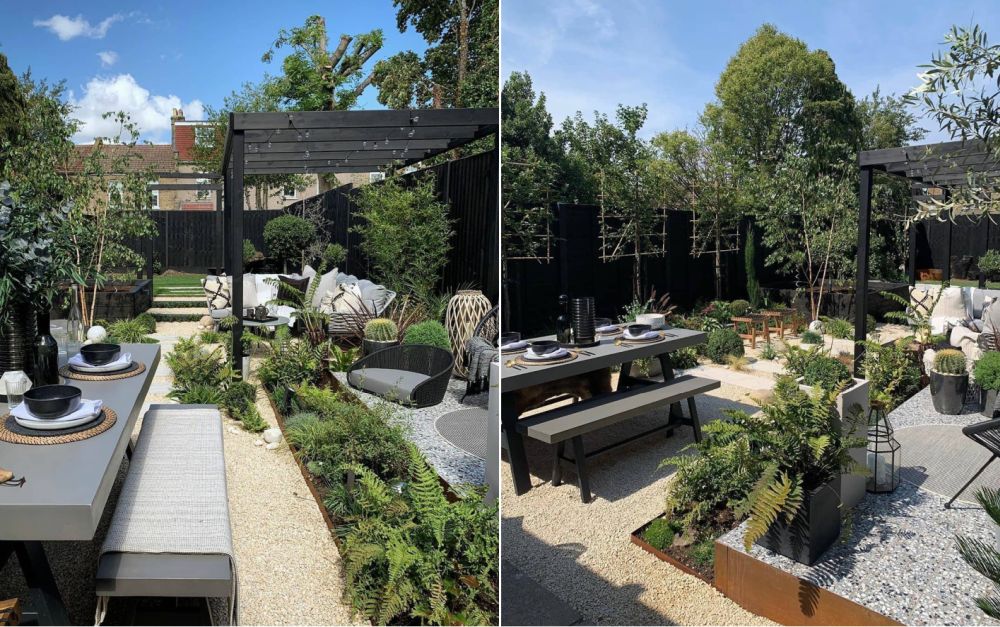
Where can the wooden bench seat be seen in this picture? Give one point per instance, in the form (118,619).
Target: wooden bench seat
(572,422)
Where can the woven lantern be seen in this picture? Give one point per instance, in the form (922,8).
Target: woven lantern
(465,309)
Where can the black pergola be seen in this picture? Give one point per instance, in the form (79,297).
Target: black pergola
(314,142)
(945,166)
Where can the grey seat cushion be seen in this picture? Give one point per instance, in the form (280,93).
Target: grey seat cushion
(387,382)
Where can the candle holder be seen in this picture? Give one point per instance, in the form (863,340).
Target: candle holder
(883,451)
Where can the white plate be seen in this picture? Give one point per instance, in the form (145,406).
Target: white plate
(55,423)
(99,369)
(559,354)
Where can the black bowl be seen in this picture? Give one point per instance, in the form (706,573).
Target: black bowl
(544,347)
(52,401)
(636,330)
(509,338)
(100,354)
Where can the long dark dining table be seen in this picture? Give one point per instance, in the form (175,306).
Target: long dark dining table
(604,355)
(67,485)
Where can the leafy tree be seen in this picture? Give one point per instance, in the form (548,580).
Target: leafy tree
(620,173)
(960,90)
(406,234)
(111,205)
(288,236)
(12,105)
(315,78)
(459,67)
(810,226)
(698,176)
(887,122)
(34,194)
(777,98)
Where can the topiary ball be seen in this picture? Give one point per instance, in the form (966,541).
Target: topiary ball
(430,333)
(723,343)
(659,534)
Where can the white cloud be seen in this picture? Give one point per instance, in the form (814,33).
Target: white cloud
(108,58)
(150,112)
(66,28)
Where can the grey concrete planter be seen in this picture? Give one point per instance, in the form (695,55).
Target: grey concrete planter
(852,485)
(370,346)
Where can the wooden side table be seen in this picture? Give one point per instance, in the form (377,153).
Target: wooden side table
(747,327)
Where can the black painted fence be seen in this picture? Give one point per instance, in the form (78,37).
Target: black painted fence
(191,241)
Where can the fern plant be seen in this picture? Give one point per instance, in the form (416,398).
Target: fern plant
(984,556)
(413,554)
(802,446)
(916,315)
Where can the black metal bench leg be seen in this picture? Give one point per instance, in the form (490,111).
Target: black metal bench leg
(668,373)
(129,449)
(581,468)
(694,419)
(557,463)
(969,482)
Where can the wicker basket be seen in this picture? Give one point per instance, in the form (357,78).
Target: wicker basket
(465,309)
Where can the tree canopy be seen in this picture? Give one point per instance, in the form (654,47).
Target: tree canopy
(459,67)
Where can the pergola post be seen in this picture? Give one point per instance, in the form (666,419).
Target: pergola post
(235,248)
(861,279)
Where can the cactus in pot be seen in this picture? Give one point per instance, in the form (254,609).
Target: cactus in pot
(380,333)
(949,381)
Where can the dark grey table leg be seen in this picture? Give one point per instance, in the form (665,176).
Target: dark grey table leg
(515,446)
(581,469)
(560,449)
(624,377)
(47,602)
(668,374)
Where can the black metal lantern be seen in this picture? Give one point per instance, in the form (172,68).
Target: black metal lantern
(883,451)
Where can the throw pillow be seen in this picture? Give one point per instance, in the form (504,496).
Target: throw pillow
(249,291)
(284,294)
(347,299)
(217,292)
(308,272)
(327,283)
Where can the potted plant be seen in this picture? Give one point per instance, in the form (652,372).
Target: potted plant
(380,333)
(987,375)
(795,506)
(850,396)
(989,266)
(949,381)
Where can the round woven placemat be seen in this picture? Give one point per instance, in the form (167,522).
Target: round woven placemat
(14,433)
(628,342)
(135,369)
(529,362)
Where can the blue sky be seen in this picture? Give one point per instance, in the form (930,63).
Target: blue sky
(592,54)
(148,58)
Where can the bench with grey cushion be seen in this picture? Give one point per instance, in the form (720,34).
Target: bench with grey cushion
(170,534)
(411,374)
(572,422)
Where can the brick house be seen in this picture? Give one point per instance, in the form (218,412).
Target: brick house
(178,156)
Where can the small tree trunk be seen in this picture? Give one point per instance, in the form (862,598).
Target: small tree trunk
(463,48)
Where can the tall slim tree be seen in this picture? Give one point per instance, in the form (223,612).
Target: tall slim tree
(461,63)
(697,176)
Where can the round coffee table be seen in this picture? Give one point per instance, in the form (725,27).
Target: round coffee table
(269,324)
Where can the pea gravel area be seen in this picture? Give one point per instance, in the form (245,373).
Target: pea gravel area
(289,566)
(581,553)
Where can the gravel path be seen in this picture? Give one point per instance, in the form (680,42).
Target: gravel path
(289,567)
(581,552)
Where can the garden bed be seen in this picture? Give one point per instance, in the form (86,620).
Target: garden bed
(838,302)
(114,301)
(679,558)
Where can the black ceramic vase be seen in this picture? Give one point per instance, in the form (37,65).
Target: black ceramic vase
(17,339)
(46,367)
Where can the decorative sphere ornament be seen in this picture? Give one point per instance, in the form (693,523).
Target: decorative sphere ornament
(97,334)
(206,322)
(272,435)
(816,326)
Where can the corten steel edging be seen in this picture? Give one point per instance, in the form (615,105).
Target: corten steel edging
(307,476)
(637,539)
(782,597)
